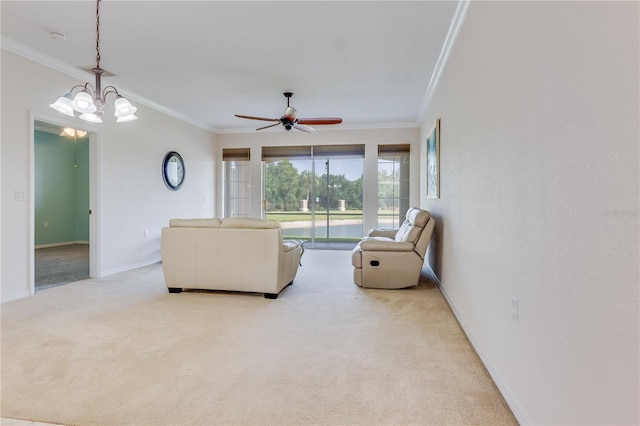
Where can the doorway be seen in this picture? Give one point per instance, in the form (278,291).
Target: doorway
(61,183)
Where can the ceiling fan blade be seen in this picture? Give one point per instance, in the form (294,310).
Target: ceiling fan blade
(251,117)
(266,127)
(320,121)
(304,128)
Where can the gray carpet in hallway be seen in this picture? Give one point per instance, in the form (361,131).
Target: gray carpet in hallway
(61,265)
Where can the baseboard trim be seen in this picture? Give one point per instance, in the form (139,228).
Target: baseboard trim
(14,297)
(517,410)
(129,267)
(66,243)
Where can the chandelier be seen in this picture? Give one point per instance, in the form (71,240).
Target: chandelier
(90,100)
(71,132)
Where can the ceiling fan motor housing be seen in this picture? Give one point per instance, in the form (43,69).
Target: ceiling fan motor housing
(290,114)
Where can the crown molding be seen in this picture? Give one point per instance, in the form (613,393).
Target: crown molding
(452,35)
(60,66)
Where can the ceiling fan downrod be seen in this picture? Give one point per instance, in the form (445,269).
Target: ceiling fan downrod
(288,95)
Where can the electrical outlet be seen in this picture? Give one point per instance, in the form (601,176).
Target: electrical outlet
(514,309)
(46,224)
(146,233)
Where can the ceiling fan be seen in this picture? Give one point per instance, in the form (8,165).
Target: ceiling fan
(289,119)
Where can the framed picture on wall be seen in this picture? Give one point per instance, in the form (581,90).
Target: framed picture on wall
(433,161)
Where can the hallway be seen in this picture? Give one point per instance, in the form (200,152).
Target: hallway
(59,265)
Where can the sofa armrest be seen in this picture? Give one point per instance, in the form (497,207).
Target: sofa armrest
(383,245)
(289,245)
(387,233)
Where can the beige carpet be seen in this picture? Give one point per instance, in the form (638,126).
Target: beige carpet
(122,350)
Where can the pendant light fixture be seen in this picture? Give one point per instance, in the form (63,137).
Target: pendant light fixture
(75,134)
(71,132)
(90,101)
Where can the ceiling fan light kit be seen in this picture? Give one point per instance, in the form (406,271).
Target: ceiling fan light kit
(290,121)
(90,100)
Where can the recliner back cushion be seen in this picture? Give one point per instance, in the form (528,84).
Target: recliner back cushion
(418,217)
(410,230)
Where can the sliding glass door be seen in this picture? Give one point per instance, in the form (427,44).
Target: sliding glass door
(338,214)
(288,190)
(315,193)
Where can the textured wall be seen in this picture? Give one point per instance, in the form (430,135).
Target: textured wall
(61,189)
(539,201)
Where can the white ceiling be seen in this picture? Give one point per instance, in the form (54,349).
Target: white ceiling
(369,62)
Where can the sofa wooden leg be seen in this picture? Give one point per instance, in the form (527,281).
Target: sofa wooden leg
(175,290)
(271,295)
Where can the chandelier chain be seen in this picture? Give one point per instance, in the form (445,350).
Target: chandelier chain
(98,34)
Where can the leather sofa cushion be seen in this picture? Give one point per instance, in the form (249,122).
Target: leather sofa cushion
(249,223)
(384,244)
(195,223)
(387,233)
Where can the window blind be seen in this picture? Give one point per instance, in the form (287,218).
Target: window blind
(272,153)
(337,151)
(236,154)
(398,149)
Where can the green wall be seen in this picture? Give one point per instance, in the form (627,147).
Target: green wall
(61,189)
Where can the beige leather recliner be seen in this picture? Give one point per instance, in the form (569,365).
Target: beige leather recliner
(393,258)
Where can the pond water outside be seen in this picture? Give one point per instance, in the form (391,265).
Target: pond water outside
(338,228)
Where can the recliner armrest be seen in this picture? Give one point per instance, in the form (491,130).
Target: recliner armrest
(387,233)
(380,245)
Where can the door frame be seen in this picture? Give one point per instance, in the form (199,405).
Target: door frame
(94,191)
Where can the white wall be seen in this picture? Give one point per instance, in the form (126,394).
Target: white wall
(132,194)
(539,200)
(371,138)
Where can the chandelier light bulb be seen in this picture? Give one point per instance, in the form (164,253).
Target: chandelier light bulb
(91,117)
(83,102)
(63,105)
(71,132)
(123,107)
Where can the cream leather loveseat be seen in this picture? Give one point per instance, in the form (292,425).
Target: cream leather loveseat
(233,254)
(393,258)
